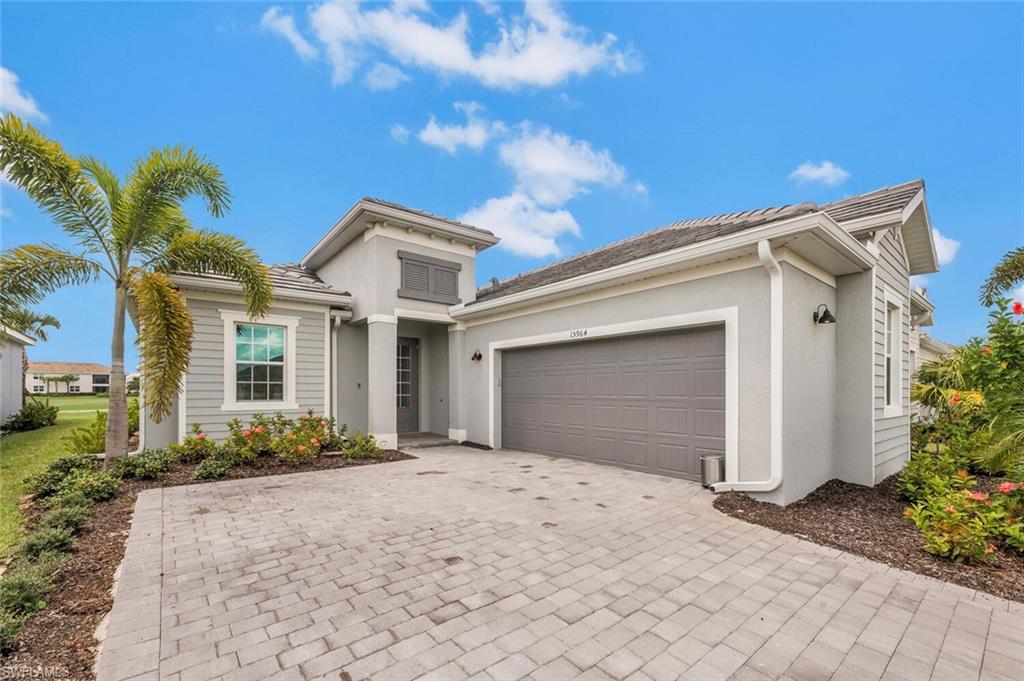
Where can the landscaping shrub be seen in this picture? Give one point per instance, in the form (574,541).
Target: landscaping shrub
(296,446)
(250,442)
(22,589)
(145,466)
(47,541)
(360,446)
(956,526)
(91,439)
(33,415)
(196,446)
(70,517)
(927,475)
(213,467)
(94,485)
(10,627)
(48,481)
(133,415)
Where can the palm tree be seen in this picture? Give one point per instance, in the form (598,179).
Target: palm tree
(31,323)
(1007,274)
(135,233)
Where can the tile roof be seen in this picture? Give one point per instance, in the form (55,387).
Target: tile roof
(67,368)
(426,214)
(687,232)
(292,276)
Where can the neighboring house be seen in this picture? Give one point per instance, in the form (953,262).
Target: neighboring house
(696,338)
(49,378)
(923,348)
(12,363)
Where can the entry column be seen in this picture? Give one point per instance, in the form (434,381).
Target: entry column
(382,413)
(456,384)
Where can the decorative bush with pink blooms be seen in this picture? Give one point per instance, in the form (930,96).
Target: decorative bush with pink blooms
(194,447)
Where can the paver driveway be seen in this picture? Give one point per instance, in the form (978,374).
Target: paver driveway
(505,565)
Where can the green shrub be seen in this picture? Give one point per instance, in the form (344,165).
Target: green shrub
(133,414)
(94,485)
(70,517)
(213,467)
(22,590)
(48,481)
(195,447)
(360,446)
(47,541)
(91,439)
(252,441)
(145,466)
(33,415)
(956,526)
(927,475)
(10,627)
(67,498)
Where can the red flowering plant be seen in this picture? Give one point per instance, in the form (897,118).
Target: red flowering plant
(248,442)
(957,526)
(194,447)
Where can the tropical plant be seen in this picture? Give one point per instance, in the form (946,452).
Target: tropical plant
(30,322)
(33,414)
(1007,273)
(88,439)
(136,233)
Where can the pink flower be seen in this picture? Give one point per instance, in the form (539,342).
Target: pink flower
(950,509)
(1018,307)
(985,349)
(315,442)
(979,496)
(201,436)
(1007,487)
(302,448)
(246,433)
(260,429)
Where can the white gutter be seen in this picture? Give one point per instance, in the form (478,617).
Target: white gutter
(332,376)
(767,258)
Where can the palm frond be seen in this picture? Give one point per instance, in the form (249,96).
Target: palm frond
(31,323)
(54,180)
(1007,273)
(937,397)
(206,252)
(28,273)
(164,339)
(164,179)
(106,181)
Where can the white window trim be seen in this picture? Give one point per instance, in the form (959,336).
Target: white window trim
(231,403)
(895,303)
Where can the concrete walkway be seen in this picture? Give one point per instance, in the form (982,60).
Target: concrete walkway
(506,565)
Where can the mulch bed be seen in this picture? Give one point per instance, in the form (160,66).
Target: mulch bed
(869,522)
(61,637)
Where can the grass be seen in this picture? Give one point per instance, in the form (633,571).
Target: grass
(89,403)
(21,455)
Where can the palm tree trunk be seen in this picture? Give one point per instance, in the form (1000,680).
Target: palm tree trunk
(117,414)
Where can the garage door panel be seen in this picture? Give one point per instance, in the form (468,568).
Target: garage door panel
(652,402)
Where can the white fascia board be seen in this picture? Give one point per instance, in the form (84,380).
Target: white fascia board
(919,203)
(819,224)
(323,248)
(190,281)
(873,222)
(17,336)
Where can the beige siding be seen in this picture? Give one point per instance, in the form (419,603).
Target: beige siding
(892,435)
(205,380)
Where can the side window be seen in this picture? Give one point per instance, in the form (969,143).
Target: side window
(430,279)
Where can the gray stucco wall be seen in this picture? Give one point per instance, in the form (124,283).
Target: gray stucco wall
(161,434)
(11,388)
(747,289)
(809,387)
(855,399)
(351,362)
(204,387)
(892,435)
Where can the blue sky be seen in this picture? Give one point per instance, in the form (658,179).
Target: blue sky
(561,127)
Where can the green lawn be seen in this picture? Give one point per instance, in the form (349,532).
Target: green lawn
(22,454)
(77,402)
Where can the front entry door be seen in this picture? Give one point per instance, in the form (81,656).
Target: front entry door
(408,385)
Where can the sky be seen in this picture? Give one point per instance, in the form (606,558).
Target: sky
(559,127)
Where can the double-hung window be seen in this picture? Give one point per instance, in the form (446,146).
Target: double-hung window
(259,362)
(893,358)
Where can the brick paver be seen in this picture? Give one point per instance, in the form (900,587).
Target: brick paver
(507,565)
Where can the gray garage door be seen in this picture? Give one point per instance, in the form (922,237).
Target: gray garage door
(654,403)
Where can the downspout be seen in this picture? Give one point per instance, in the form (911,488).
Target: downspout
(767,258)
(332,374)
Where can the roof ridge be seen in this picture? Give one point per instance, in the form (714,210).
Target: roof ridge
(874,192)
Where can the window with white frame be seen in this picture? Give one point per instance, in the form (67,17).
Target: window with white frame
(38,388)
(74,388)
(259,362)
(893,356)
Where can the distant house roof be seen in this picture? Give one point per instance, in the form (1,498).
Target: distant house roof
(67,368)
(687,232)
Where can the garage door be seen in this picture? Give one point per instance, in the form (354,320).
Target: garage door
(654,403)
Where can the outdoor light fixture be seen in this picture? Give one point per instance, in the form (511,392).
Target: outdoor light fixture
(823,317)
(476,357)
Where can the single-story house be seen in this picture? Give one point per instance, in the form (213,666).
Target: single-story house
(63,378)
(12,363)
(777,338)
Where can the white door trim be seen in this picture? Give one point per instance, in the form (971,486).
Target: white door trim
(727,315)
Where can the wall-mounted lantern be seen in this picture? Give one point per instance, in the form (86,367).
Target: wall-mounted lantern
(477,356)
(823,316)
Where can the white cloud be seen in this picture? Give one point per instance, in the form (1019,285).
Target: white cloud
(384,77)
(276,21)
(945,247)
(524,227)
(540,47)
(826,173)
(399,133)
(6,213)
(474,134)
(552,167)
(489,7)
(13,99)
